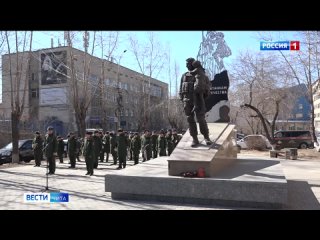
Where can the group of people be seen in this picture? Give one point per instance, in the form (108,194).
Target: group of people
(96,145)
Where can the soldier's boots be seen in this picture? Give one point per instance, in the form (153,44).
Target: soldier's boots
(195,141)
(207,139)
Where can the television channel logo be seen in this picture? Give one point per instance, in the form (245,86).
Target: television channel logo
(53,197)
(280,45)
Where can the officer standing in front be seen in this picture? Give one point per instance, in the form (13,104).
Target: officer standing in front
(37,145)
(50,149)
(60,148)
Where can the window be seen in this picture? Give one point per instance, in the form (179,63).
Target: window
(127,112)
(299,115)
(32,77)
(292,127)
(121,113)
(131,113)
(300,106)
(34,93)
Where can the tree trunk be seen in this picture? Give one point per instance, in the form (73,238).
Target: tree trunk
(15,137)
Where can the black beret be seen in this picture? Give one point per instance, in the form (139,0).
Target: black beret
(37,132)
(89,133)
(50,128)
(96,131)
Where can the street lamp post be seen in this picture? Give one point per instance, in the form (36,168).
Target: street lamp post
(119,91)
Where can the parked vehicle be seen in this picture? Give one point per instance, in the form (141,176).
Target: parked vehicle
(258,142)
(293,139)
(240,136)
(25,152)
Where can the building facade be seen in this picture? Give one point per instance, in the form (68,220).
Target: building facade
(316,104)
(118,96)
(296,110)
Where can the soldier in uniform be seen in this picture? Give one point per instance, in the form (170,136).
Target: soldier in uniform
(97,145)
(78,151)
(101,155)
(175,138)
(106,145)
(162,144)
(72,149)
(131,145)
(146,146)
(154,138)
(50,149)
(122,143)
(169,139)
(60,148)
(37,145)
(186,96)
(136,147)
(88,153)
(113,146)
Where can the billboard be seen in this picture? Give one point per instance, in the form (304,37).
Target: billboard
(54,67)
(53,96)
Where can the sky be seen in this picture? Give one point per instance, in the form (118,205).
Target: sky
(183,44)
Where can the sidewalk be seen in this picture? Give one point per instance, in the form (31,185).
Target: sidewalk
(87,192)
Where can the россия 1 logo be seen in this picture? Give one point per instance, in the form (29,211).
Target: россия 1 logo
(46,197)
(280,45)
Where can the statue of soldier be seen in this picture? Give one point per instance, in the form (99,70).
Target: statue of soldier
(37,145)
(186,95)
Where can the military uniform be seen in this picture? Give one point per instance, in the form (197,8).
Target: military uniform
(101,155)
(131,146)
(97,145)
(37,145)
(146,145)
(175,139)
(162,145)
(122,143)
(51,145)
(72,149)
(136,148)
(113,146)
(154,138)
(170,145)
(88,154)
(186,95)
(60,151)
(106,145)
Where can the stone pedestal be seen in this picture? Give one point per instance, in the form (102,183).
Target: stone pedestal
(213,158)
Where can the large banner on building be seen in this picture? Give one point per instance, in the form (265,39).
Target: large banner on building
(53,67)
(53,96)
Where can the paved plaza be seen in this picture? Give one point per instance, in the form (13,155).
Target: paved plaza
(87,192)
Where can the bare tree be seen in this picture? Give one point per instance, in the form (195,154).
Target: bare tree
(263,81)
(150,58)
(19,68)
(305,68)
(82,87)
(109,42)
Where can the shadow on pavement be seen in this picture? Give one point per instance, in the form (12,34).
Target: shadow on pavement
(301,196)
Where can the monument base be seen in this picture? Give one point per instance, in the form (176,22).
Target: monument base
(254,183)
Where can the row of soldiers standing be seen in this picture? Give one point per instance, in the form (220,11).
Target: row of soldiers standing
(121,146)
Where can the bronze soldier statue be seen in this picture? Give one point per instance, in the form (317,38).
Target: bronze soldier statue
(187,95)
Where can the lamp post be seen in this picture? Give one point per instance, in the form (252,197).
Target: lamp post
(119,101)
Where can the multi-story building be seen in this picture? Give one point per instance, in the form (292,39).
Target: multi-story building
(118,96)
(295,113)
(316,104)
